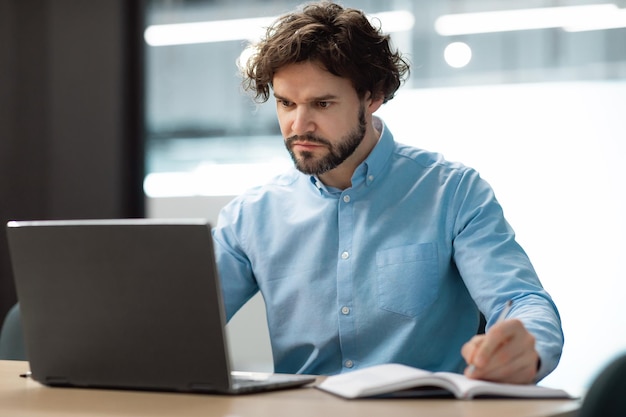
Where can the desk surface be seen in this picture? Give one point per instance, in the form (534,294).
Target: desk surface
(25,397)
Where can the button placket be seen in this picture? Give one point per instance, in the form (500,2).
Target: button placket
(345,284)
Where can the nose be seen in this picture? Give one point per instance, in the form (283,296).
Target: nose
(302,121)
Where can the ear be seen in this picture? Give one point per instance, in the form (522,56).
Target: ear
(374,102)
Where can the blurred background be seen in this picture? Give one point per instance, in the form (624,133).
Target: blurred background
(135,108)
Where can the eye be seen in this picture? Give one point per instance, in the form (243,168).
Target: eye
(323,104)
(284,103)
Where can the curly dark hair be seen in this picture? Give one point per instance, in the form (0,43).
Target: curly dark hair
(341,39)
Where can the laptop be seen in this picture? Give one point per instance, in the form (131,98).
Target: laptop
(126,304)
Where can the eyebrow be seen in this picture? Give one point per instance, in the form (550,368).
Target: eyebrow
(325,97)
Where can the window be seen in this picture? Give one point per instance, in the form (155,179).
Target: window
(205,136)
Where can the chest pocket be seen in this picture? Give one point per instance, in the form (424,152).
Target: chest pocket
(407,278)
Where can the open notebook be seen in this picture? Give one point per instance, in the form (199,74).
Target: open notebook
(394,380)
(127,304)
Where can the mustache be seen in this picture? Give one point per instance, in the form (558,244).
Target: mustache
(306,138)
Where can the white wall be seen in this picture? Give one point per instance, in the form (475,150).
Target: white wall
(248,337)
(554,154)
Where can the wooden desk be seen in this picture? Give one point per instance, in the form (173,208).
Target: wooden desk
(25,397)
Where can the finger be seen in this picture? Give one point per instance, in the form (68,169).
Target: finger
(495,338)
(514,360)
(521,369)
(468,350)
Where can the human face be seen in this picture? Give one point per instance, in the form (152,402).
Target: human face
(320,115)
(309,163)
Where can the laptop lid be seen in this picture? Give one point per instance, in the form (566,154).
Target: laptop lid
(132,303)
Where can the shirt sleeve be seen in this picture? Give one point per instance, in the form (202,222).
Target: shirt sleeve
(235,271)
(496,269)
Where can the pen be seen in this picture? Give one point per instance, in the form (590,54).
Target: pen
(505,311)
(501,317)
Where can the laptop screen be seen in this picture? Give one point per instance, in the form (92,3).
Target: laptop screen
(121,303)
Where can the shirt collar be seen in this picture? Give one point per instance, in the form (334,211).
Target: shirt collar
(369,170)
(373,165)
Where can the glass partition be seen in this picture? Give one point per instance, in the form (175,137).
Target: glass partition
(205,136)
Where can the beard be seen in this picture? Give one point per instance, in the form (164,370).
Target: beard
(307,163)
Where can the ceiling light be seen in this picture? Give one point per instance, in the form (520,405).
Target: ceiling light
(248,29)
(522,19)
(204,32)
(616,20)
(457,54)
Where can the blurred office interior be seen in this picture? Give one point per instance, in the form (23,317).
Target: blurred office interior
(135,108)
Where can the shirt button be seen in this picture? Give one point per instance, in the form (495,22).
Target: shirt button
(348,363)
(345,255)
(346,198)
(345,310)
(371,178)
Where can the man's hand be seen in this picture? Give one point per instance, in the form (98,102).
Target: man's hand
(506,353)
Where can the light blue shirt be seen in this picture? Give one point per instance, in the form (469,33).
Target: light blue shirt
(393,269)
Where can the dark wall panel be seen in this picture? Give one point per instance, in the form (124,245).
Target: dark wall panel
(71,126)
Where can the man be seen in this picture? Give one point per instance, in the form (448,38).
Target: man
(371,251)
